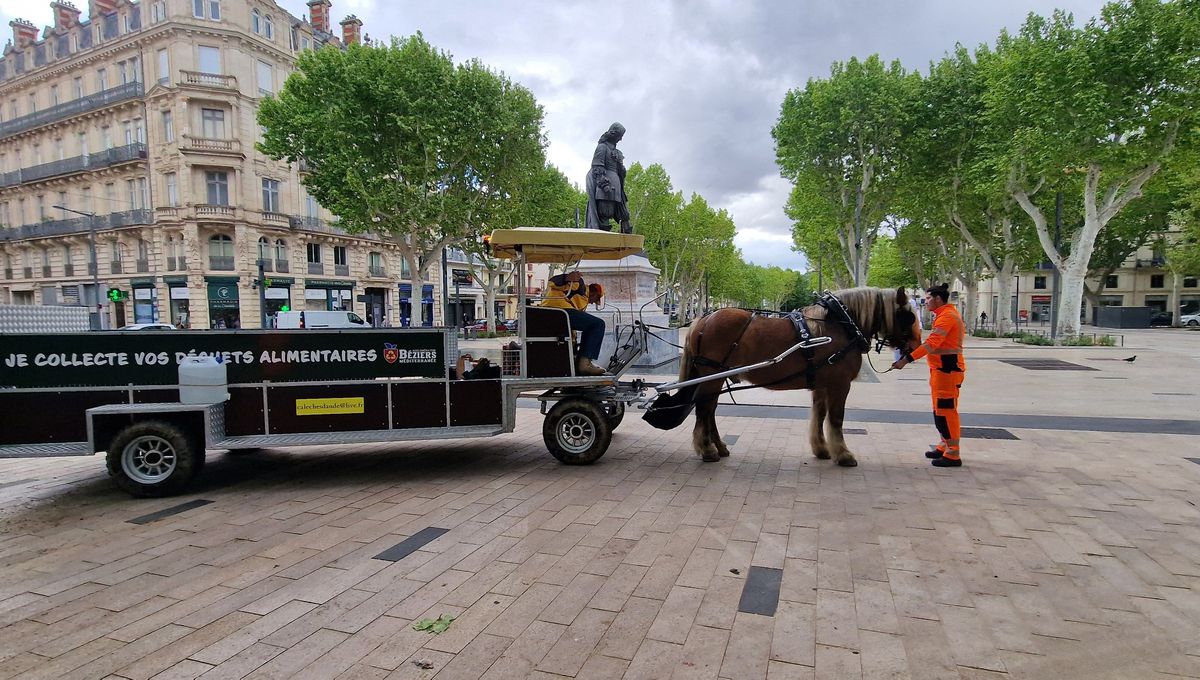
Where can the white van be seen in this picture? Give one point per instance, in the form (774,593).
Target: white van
(319,320)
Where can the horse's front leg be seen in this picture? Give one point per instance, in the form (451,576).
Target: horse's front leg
(837,415)
(816,425)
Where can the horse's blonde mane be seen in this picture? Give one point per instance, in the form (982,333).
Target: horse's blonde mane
(863,303)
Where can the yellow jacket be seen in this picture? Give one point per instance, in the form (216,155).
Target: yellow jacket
(564,294)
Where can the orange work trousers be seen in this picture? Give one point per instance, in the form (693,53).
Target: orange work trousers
(944,389)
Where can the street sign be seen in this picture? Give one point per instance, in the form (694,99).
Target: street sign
(461,277)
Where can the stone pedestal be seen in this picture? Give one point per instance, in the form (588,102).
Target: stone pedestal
(629,284)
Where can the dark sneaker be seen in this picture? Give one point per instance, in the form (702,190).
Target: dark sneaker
(947,462)
(933,454)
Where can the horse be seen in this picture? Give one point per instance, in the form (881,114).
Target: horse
(731,337)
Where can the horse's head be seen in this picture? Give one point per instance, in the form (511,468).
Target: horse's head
(903,333)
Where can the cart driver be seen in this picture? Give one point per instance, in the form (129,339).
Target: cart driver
(569,293)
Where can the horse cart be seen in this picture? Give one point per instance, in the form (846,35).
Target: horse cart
(65,394)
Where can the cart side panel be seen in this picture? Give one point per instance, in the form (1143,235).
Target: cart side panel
(244,412)
(50,417)
(476,402)
(418,405)
(327,408)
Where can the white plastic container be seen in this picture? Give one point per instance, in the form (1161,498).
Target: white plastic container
(202,380)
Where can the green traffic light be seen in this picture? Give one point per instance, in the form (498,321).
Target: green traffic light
(115,295)
(285,308)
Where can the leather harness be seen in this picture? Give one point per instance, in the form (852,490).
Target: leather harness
(835,311)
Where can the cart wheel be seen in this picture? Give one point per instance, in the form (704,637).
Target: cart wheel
(615,413)
(153,458)
(577,431)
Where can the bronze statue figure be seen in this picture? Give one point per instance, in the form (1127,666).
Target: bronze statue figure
(606,184)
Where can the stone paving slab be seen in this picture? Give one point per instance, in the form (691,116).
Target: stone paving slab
(1063,554)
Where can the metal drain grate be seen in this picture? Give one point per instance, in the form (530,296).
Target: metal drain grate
(1047,365)
(988,433)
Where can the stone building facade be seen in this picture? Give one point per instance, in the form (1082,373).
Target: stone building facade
(139,119)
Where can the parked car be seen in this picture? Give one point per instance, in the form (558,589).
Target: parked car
(1160,319)
(148,327)
(1192,319)
(510,325)
(319,319)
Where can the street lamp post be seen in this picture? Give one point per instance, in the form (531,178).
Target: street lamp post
(94,322)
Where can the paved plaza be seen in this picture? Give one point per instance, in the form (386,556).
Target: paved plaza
(1068,546)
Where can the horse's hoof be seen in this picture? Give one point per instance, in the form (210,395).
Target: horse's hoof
(724,453)
(823,455)
(710,457)
(847,462)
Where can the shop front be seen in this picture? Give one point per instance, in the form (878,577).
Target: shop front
(178,301)
(375,301)
(328,295)
(1040,307)
(427,304)
(404,303)
(277,297)
(145,300)
(224,303)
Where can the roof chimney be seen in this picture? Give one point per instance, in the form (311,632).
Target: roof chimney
(319,12)
(99,7)
(66,15)
(24,33)
(351,30)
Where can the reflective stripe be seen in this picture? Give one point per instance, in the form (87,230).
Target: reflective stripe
(939,331)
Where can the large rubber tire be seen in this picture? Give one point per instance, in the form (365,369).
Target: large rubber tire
(615,413)
(1193,322)
(153,458)
(577,431)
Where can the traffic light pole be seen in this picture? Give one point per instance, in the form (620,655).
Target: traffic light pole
(262,296)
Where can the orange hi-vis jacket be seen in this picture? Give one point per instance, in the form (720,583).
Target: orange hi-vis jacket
(944,343)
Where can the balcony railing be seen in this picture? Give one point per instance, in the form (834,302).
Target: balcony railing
(1152,262)
(67,166)
(115,267)
(143,266)
(68,270)
(8,274)
(220,262)
(215,210)
(377,272)
(211,145)
(276,218)
(341,270)
(27,272)
(91,268)
(315,224)
(91,102)
(45,271)
(208,80)
(281,266)
(78,225)
(266,265)
(316,268)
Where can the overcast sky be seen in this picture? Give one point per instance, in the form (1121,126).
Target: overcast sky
(697,83)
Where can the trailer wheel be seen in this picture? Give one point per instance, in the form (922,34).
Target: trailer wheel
(577,431)
(153,458)
(615,413)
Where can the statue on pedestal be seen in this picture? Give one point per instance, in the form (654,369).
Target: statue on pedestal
(606,184)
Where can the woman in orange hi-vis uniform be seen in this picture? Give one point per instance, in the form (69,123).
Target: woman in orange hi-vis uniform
(943,348)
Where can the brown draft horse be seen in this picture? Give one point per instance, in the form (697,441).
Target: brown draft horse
(739,337)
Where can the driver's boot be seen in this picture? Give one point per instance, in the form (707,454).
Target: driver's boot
(584,366)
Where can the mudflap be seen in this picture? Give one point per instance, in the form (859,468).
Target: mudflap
(668,411)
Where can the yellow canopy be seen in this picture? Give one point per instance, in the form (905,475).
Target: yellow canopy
(545,244)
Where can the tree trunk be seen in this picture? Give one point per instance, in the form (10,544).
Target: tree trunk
(417,280)
(1003,311)
(1173,305)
